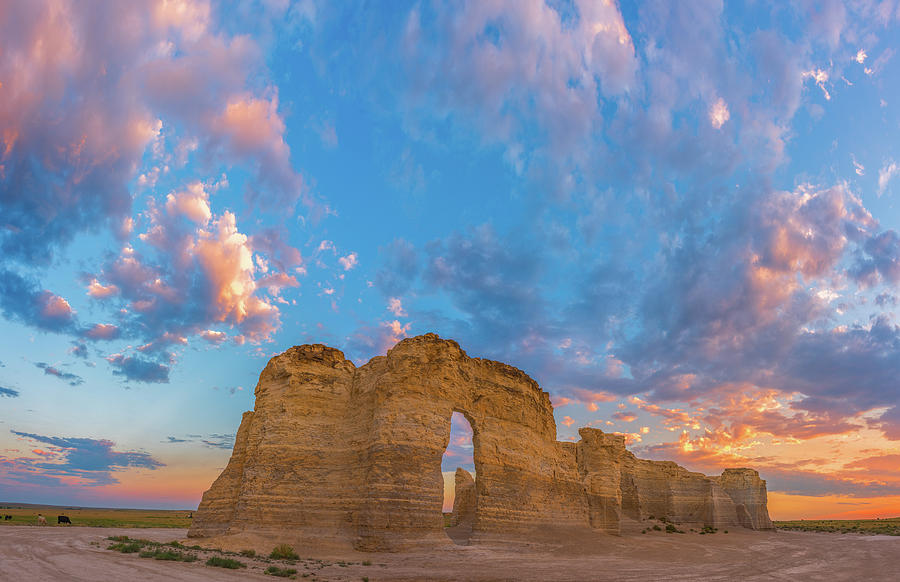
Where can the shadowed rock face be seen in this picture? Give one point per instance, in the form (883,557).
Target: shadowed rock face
(464,499)
(352,455)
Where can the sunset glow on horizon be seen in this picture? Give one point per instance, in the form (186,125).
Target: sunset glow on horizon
(680,218)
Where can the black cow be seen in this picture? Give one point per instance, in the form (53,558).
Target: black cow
(7,517)
(63,519)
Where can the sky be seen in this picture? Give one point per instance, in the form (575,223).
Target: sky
(680,218)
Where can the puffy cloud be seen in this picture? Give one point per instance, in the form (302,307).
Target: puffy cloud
(255,130)
(878,260)
(193,203)
(625,416)
(349,261)
(395,306)
(214,337)
(23,300)
(98,291)
(65,164)
(103,331)
(731,304)
(718,113)
(66,161)
(139,369)
(203,274)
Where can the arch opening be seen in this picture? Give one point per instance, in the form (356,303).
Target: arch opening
(460,503)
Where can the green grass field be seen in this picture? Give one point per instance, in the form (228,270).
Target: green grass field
(26,514)
(889,527)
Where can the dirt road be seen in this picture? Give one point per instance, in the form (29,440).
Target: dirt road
(78,553)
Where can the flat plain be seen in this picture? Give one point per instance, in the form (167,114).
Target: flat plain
(26,514)
(890,527)
(81,553)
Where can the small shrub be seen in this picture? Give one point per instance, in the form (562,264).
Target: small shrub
(367,562)
(220,562)
(126,547)
(118,538)
(643,531)
(726,531)
(657,528)
(365,579)
(248,553)
(651,517)
(283,552)
(280,572)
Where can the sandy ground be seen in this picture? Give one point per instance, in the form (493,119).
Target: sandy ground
(77,553)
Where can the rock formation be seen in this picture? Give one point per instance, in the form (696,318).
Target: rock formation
(351,455)
(464,499)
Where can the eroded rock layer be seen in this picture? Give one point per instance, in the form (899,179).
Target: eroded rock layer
(353,455)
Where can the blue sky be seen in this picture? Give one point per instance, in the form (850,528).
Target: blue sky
(679,218)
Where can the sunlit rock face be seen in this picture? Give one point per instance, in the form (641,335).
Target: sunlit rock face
(620,487)
(337,454)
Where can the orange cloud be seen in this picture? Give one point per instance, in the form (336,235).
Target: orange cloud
(625,416)
(98,291)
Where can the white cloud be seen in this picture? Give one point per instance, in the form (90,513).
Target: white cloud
(820,77)
(395,306)
(718,113)
(889,170)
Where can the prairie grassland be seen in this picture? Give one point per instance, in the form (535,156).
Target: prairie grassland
(26,514)
(889,526)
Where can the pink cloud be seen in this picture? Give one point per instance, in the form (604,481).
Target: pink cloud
(587,396)
(103,331)
(349,261)
(559,401)
(395,306)
(193,203)
(54,307)
(214,337)
(625,416)
(275,282)
(98,291)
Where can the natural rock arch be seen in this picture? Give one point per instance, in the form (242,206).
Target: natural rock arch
(340,454)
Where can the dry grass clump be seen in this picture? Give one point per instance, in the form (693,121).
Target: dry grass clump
(221,562)
(283,552)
